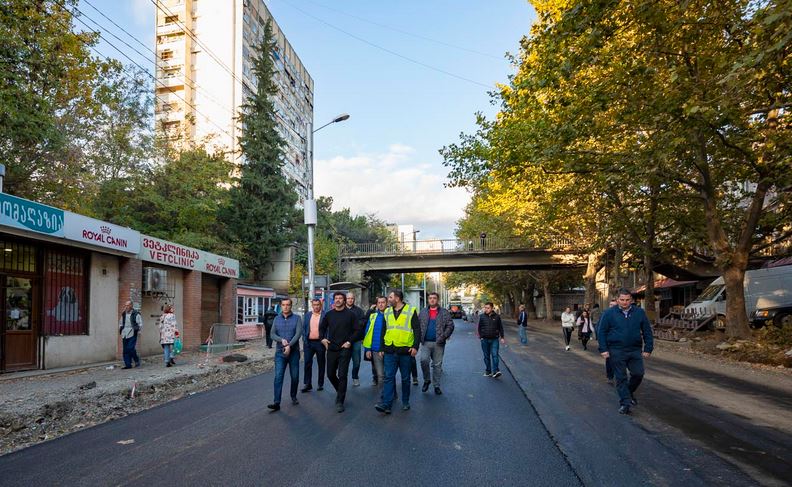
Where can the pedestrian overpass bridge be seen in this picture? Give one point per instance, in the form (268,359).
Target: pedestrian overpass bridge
(459,255)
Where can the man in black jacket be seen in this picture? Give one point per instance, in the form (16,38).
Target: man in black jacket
(339,329)
(490,331)
(357,347)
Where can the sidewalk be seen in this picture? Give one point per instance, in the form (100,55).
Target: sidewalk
(716,421)
(42,405)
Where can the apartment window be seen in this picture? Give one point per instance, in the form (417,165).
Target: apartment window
(171,19)
(166,54)
(173,72)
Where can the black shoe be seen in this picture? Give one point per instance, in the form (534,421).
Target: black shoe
(173,362)
(168,365)
(633,400)
(438,391)
(340,408)
(126,367)
(320,388)
(415,381)
(274,407)
(382,408)
(137,364)
(425,386)
(496,374)
(295,401)
(306,388)
(406,407)
(624,410)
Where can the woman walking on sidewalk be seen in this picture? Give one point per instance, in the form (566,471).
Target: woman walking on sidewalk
(585,328)
(567,324)
(168,330)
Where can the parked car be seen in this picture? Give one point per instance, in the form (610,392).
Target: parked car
(778,316)
(764,289)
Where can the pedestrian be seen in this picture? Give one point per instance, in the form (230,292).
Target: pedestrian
(313,346)
(585,328)
(269,319)
(595,316)
(168,330)
(522,324)
(626,338)
(400,343)
(129,327)
(567,324)
(357,347)
(490,332)
(339,330)
(286,332)
(436,327)
(586,307)
(372,341)
(608,366)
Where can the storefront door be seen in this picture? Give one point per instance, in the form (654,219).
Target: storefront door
(20,311)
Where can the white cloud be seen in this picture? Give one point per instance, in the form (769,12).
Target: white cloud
(395,188)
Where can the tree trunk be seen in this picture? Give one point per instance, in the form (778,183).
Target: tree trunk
(615,283)
(548,298)
(649,298)
(590,277)
(530,306)
(736,316)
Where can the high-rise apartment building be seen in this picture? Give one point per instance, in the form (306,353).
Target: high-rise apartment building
(205,52)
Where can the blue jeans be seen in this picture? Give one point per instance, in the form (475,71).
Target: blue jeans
(293,361)
(394,362)
(167,350)
(523,334)
(622,361)
(357,350)
(490,347)
(130,353)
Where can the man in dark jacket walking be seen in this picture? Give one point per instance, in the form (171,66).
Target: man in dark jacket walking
(522,324)
(339,329)
(490,331)
(357,347)
(436,327)
(623,331)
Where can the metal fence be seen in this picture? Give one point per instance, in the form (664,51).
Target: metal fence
(446,246)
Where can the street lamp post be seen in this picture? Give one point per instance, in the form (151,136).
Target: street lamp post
(310,214)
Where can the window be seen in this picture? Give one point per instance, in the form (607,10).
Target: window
(17,257)
(65,293)
(166,54)
(170,19)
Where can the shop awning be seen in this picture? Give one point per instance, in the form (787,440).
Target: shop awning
(665,283)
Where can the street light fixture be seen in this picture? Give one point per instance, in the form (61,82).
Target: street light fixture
(311,214)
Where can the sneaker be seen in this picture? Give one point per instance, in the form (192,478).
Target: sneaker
(307,388)
(340,408)
(415,381)
(567,348)
(168,365)
(624,409)
(425,386)
(487,374)
(295,402)
(406,407)
(438,391)
(126,367)
(355,383)
(496,374)
(633,400)
(382,408)
(320,388)
(274,407)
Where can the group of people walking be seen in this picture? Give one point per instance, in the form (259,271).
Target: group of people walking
(390,336)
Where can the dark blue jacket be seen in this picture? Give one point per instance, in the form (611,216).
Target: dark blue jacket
(630,333)
(307,325)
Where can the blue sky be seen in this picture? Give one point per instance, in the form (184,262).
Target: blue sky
(384,159)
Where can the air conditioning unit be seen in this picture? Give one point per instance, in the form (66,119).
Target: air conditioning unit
(155,280)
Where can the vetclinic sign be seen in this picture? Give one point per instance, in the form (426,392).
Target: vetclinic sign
(95,232)
(176,255)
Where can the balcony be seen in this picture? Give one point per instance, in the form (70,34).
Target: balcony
(169,28)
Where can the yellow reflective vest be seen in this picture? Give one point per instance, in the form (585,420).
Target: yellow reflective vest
(399,332)
(369,338)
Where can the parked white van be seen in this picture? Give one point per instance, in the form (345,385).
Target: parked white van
(764,288)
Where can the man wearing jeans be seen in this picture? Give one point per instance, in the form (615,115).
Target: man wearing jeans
(436,327)
(490,331)
(400,344)
(129,327)
(339,329)
(313,346)
(372,342)
(623,331)
(286,332)
(522,324)
(357,347)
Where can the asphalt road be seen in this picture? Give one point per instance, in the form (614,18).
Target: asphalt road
(482,431)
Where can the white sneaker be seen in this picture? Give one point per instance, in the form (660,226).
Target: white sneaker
(567,347)
(355,383)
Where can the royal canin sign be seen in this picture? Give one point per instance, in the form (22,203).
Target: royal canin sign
(95,232)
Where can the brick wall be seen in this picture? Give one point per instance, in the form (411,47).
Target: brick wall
(191,315)
(228,301)
(130,287)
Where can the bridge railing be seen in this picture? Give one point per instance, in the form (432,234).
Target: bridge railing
(443,246)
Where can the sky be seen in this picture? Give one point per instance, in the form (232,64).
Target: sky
(411,74)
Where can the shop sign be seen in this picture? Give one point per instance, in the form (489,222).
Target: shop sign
(29,215)
(101,234)
(176,255)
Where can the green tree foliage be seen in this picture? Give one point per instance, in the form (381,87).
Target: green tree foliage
(261,218)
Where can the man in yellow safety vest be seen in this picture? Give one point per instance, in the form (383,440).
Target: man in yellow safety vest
(399,345)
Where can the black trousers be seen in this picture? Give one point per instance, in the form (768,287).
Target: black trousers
(268,330)
(314,347)
(338,371)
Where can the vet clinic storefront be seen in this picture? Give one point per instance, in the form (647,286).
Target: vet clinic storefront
(63,280)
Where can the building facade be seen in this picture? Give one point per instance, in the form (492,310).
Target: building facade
(205,51)
(64,278)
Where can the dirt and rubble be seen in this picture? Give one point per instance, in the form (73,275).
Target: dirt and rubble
(45,406)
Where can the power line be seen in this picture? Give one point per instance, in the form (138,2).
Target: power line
(385,49)
(411,34)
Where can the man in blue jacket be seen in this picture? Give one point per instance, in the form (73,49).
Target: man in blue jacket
(286,332)
(624,330)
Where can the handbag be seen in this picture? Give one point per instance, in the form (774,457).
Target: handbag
(177,345)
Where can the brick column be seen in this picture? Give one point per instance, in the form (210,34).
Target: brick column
(130,287)
(191,314)
(228,301)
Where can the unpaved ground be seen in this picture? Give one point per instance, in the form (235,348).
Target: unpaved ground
(43,407)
